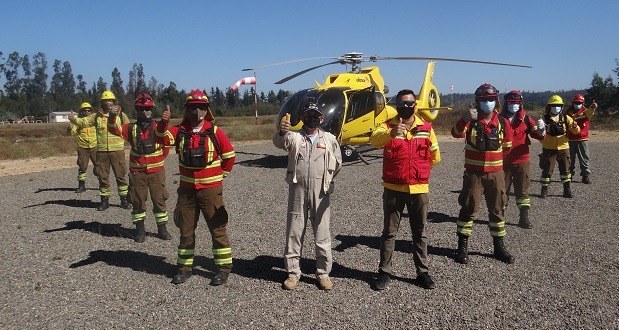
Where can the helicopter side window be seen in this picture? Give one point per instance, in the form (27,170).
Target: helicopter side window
(360,104)
(379,98)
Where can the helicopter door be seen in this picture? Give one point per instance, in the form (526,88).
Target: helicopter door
(359,119)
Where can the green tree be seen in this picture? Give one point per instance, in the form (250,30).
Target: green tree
(604,92)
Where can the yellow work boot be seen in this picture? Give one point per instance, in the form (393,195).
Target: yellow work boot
(325,284)
(290,283)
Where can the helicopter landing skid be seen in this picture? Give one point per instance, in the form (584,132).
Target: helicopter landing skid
(352,153)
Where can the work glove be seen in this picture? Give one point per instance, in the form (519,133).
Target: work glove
(541,127)
(469,114)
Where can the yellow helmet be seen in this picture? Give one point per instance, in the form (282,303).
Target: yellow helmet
(108,95)
(85,105)
(555,99)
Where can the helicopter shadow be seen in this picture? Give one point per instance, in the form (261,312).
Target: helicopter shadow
(267,161)
(103,229)
(80,203)
(137,261)
(437,217)
(373,242)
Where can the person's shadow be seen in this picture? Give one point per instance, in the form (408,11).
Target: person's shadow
(138,261)
(67,202)
(103,229)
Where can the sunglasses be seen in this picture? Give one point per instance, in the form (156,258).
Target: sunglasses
(142,109)
(89,110)
(194,107)
(408,103)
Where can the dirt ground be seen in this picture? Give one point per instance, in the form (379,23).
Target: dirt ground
(32,165)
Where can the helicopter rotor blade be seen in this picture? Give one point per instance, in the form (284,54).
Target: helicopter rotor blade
(447,59)
(288,62)
(304,71)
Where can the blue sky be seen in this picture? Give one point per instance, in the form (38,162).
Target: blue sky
(198,44)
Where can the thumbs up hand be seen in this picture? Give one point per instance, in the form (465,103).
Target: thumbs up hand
(469,114)
(399,129)
(71,116)
(284,126)
(165,116)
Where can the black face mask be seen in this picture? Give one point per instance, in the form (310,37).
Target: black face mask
(405,112)
(311,122)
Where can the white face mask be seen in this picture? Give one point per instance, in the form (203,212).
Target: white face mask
(577,106)
(487,107)
(513,108)
(555,110)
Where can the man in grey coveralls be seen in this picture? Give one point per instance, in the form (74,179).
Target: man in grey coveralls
(314,159)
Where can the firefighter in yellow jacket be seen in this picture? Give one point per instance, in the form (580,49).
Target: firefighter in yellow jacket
(110,149)
(86,140)
(555,147)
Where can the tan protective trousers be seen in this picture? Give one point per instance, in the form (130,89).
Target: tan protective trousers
(308,202)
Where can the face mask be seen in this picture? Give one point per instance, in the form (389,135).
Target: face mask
(513,108)
(195,115)
(487,107)
(405,112)
(577,106)
(311,122)
(144,114)
(555,110)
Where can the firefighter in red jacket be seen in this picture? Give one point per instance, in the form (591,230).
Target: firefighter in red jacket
(516,163)
(146,168)
(487,136)
(410,150)
(205,157)
(579,146)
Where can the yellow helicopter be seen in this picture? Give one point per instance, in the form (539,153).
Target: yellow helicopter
(354,103)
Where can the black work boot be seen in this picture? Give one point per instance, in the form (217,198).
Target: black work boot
(524,218)
(81,187)
(140,237)
(544,192)
(585,179)
(219,279)
(124,202)
(105,203)
(567,191)
(381,281)
(184,273)
(162,232)
(463,249)
(500,252)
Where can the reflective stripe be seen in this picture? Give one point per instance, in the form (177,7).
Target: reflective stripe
(222,251)
(185,257)
(222,256)
(227,155)
(81,177)
(104,192)
(545,182)
(523,202)
(161,217)
(465,227)
(123,189)
(212,179)
(220,262)
(483,163)
(138,217)
(216,163)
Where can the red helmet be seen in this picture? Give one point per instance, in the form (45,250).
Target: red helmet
(196,97)
(143,100)
(486,90)
(578,98)
(514,96)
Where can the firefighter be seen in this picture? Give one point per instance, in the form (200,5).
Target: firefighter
(206,157)
(146,168)
(410,150)
(516,163)
(314,159)
(578,143)
(555,147)
(487,136)
(110,149)
(86,140)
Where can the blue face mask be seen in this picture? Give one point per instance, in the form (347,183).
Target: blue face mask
(555,110)
(488,106)
(577,106)
(513,108)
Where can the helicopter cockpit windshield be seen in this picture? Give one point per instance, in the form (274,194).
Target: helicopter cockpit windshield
(331,102)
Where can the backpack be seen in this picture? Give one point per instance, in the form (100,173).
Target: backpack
(196,157)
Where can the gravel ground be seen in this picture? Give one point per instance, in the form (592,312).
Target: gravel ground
(65,265)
